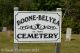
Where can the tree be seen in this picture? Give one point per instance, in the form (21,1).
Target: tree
(47,5)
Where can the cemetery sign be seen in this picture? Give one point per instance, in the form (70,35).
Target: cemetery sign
(37,26)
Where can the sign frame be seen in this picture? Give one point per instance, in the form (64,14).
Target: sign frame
(53,12)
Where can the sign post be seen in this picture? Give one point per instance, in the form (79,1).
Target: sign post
(59,44)
(38,27)
(57,47)
(16,46)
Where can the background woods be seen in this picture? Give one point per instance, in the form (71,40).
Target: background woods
(70,9)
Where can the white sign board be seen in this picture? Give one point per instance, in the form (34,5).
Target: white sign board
(37,27)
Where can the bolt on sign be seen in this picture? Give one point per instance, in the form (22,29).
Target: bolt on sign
(37,26)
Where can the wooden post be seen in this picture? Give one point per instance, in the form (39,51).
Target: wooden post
(16,45)
(58,44)
(57,47)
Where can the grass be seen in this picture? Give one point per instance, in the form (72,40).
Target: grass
(6,45)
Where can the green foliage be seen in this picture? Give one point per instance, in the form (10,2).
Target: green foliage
(47,5)
(71,18)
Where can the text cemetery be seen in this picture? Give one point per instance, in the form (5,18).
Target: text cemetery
(41,36)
